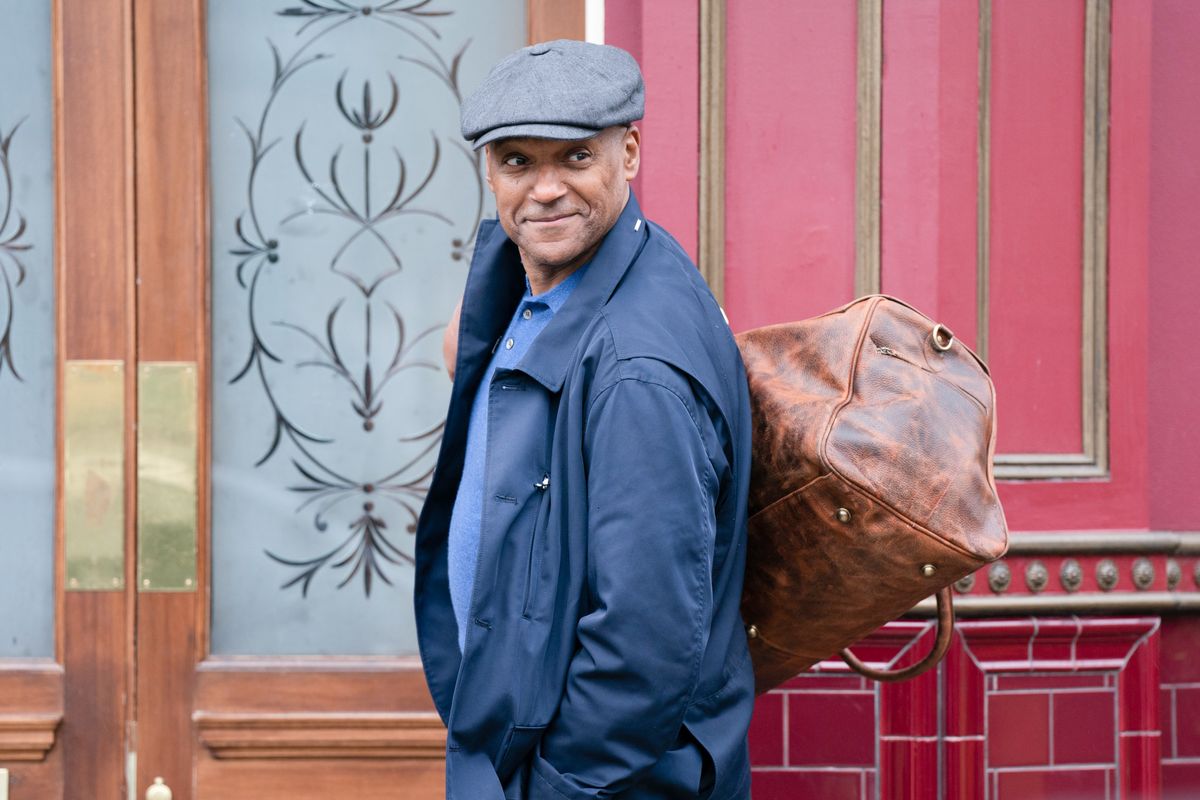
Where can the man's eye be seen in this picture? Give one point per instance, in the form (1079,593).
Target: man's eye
(515,161)
(579,155)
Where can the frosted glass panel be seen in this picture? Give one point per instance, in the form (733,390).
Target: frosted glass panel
(344,203)
(26,332)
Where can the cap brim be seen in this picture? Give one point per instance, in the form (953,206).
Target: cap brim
(537,131)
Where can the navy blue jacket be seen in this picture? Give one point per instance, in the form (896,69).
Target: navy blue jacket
(606,656)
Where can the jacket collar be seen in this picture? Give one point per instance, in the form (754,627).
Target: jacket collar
(497,282)
(550,354)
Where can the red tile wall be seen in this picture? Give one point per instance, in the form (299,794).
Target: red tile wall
(1019,710)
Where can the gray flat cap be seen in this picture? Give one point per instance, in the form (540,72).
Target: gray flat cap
(555,90)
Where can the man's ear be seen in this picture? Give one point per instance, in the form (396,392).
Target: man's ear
(487,166)
(632,151)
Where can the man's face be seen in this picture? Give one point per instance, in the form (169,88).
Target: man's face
(557,199)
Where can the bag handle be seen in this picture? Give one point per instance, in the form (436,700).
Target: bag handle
(945,631)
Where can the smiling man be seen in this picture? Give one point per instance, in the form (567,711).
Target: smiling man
(581,551)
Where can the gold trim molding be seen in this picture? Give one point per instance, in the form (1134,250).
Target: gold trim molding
(712,146)
(868,106)
(322,735)
(1093,460)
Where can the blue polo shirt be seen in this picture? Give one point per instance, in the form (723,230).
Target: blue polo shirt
(533,313)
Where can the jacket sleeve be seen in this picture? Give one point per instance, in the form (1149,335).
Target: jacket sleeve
(651,490)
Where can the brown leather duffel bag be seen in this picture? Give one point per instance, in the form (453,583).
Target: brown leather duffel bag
(871,486)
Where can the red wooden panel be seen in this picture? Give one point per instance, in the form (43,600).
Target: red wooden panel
(929,179)
(1036,222)
(790,159)
(1119,502)
(665,39)
(1174,240)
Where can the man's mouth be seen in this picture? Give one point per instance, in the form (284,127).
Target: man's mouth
(549,218)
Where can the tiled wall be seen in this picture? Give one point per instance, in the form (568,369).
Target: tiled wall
(1019,709)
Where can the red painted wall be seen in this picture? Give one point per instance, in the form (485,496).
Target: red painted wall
(1174,369)
(665,39)
(789,169)
(1019,705)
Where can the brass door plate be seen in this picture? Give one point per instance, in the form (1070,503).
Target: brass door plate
(166,475)
(94,475)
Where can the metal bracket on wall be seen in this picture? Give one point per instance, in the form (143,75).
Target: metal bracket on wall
(94,475)
(166,476)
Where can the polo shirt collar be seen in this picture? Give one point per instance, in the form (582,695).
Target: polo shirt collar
(549,355)
(496,283)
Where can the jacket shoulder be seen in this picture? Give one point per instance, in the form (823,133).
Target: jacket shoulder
(663,310)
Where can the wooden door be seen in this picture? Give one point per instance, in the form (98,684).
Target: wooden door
(229,234)
(305,211)
(66,389)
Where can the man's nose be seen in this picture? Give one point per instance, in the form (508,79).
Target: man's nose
(548,185)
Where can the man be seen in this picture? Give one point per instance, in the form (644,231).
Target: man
(581,551)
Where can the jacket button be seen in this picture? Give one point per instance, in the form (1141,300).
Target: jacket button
(508,345)
(843,515)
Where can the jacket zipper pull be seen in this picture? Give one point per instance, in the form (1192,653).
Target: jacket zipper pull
(543,484)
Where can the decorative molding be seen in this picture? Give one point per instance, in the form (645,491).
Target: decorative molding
(27,737)
(1107,575)
(1093,460)
(983,149)
(1093,543)
(231,735)
(1057,604)
(869,111)
(1036,576)
(1071,575)
(1174,574)
(1143,574)
(712,146)
(999,577)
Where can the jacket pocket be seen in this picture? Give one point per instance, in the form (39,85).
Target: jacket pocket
(533,561)
(518,744)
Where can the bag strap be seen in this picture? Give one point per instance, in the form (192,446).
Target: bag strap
(945,631)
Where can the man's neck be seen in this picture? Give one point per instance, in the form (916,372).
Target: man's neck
(543,277)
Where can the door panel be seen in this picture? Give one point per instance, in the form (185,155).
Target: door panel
(305,213)
(344,204)
(27,340)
